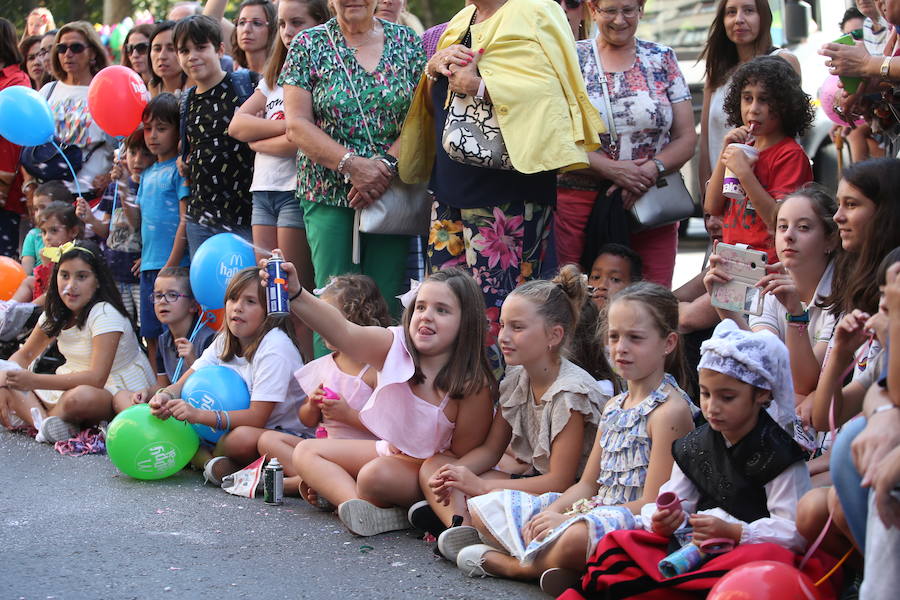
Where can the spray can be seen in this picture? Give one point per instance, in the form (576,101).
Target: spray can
(273,483)
(681,561)
(277,300)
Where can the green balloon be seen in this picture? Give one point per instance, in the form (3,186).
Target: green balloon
(146,447)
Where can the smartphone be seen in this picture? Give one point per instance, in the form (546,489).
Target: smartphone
(851,84)
(746,267)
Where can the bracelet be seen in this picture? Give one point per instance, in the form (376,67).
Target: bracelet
(163,390)
(227,420)
(343,162)
(218,419)
(802,327)
(886,67)
(429,76)
(883,408)
(481,89)
(295,296)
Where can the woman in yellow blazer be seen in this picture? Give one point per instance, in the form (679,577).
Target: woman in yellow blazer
(519,56)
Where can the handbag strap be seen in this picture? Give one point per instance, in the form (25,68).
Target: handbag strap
(604,85)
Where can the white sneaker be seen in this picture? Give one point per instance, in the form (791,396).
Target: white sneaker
(470,560)
(452,540)
(365,519)
(54,429)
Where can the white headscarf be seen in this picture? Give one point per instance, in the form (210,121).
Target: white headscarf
(758,358)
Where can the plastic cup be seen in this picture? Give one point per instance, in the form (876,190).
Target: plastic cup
(668,500)
(731,185)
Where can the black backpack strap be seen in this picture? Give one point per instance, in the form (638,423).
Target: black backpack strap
(183,113)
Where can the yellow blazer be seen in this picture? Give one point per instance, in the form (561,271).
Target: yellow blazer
(531,71)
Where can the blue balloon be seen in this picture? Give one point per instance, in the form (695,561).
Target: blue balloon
(216,261)
(25,117)
(215,388)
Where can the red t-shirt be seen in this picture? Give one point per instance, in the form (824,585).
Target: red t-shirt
(781,169)
(41,274)
(9,152)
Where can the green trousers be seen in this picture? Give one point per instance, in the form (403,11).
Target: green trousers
(329,230)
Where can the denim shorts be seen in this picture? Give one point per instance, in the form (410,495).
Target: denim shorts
(151,328)
(277,209)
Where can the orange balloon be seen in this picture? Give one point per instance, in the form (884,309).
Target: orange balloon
(12,274)
(764,580)
(214,318)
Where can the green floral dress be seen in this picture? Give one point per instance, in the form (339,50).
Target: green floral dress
(385,95)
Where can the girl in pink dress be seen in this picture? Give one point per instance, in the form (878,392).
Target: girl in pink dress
(360,302)
(434,394)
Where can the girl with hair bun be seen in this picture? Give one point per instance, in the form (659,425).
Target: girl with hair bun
(548,412)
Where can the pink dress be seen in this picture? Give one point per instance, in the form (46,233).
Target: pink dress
(352,388)
(396,415)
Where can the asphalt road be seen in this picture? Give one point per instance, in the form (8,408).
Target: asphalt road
(74,527)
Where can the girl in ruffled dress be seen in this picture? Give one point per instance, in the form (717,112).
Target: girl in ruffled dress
(632,455)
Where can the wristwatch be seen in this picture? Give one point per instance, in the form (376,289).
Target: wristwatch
(660,167)
(801,318)
(389,161)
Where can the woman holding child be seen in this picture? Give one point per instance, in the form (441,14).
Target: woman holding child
(347,85)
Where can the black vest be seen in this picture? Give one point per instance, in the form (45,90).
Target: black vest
(734,479)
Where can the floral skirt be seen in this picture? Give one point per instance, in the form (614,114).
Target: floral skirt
(502,246)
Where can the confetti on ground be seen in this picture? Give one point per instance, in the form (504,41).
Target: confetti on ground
(365,549)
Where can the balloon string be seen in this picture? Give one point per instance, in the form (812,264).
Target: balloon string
(112,213)
(74,174)
(206,316)
(835,568)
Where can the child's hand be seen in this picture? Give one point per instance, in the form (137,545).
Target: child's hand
(138,397)
(707,527)
(20,379)
(738,135)
(542,524)
(336,409)
(83,209)
(185,350)
(878,323)
(715,274)
(666,522)
(455,477)
(4,411)
(159,405)
(183,411)
(136,268)
(290,273)
(850,332)
(737,161)
(781,285)
(182,168)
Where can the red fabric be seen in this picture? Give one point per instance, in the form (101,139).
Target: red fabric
(781,169)
(573,209)
(41,274)
(657,248)
(9,152)
(624,565)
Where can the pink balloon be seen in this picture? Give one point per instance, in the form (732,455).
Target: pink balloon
(764,580)
(829,96)
(117,97)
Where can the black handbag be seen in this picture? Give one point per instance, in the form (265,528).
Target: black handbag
(45,162)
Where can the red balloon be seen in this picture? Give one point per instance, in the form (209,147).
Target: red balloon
(117,97)
(764,580)
(11,276)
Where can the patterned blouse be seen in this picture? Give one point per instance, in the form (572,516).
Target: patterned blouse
(641,97)
(385,95)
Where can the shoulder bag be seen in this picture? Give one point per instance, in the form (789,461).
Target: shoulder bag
(666,202)
(403,208)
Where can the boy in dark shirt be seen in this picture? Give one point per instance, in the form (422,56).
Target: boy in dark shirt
(219,168)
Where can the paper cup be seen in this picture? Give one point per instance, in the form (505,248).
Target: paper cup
(731,185)
(668,500)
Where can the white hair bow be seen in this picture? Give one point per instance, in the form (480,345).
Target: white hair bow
(407,298)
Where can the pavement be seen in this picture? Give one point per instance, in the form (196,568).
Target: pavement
(74,527)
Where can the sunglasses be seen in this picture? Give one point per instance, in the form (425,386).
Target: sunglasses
(39,54)
(140,48)
(76,48)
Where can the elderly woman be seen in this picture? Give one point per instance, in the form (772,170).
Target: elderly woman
(77,56)
(651,107)
(496,221)
(353,61)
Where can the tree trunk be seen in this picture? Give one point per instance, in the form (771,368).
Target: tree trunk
(116,10)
